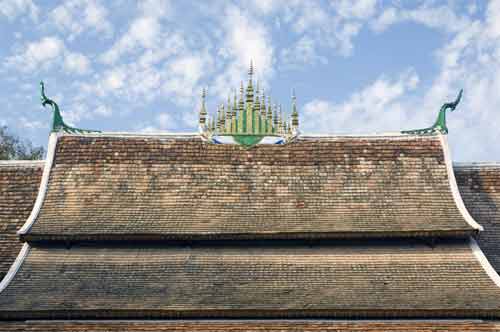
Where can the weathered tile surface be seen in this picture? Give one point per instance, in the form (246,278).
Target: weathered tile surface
(152,187)
(480,189)
(19,184)
(252,326)
(399,280)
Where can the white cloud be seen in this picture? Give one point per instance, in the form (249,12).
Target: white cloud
(40,53)
(436,17)
(76,63)
(77,16)
(302,52)
(45,54)
(364,111)
(245,39)
(11,9)
(145,33)
(103,110)
(361,9)
(184,75)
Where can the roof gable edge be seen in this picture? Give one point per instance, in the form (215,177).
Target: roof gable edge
(51,149)
(15,267)
(454,187)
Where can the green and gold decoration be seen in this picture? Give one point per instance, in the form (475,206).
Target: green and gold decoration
(249,118)
(58,124)
(439,126)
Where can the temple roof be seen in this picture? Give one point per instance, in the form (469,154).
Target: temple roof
(180,187)
(480,188)
(19,183)
(253,326)
(382,280)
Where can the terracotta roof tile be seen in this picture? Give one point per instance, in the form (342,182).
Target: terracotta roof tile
(480,189)
(180,187)
(19,182)
(251,326)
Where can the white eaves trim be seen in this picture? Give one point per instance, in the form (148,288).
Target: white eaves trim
(15,267)
(21,163)
(454,187)
(478,253)
(51,151)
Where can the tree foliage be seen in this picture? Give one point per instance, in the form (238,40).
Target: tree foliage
(13,147)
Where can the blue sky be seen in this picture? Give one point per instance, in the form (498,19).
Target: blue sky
(358,67)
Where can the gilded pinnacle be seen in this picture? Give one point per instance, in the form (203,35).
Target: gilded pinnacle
(250,114)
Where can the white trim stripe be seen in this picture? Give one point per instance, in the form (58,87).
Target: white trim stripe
(21,163)
(478,253)
(15,267)
(51,151)
(454,187)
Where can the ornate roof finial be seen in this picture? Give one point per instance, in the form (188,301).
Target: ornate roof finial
(440,124)
(58,123)
(250,70)
(249,98)
(269,116)
(295,114)
(203,110)
(249,119)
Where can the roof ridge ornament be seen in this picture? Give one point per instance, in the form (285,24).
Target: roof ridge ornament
(58,124)
(247,123)
(439,126)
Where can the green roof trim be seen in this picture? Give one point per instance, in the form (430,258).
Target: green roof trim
(439,126)
(58,124)
(249,118)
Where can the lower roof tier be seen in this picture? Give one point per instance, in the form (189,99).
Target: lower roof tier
(253,326)
(480,188)
(19,183)
(448,280)
(99,187)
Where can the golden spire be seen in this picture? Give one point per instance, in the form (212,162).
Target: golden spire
(250,115)
(222,117)
(229,115)
(203,110)
(269,116)
(263,105)
(241,111)
(249,98)
(235,115)
(218,122)
(295,114)
(256,113)
(280,120)
(275,119)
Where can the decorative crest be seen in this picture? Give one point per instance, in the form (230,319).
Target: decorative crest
(248,121)
(58,123)
(440,124)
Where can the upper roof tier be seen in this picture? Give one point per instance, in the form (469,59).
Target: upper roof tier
(103,186)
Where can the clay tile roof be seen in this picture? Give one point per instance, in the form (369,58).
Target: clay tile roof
(480,188)
(253,326)
(179,187)
(372,280)
(19,183)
